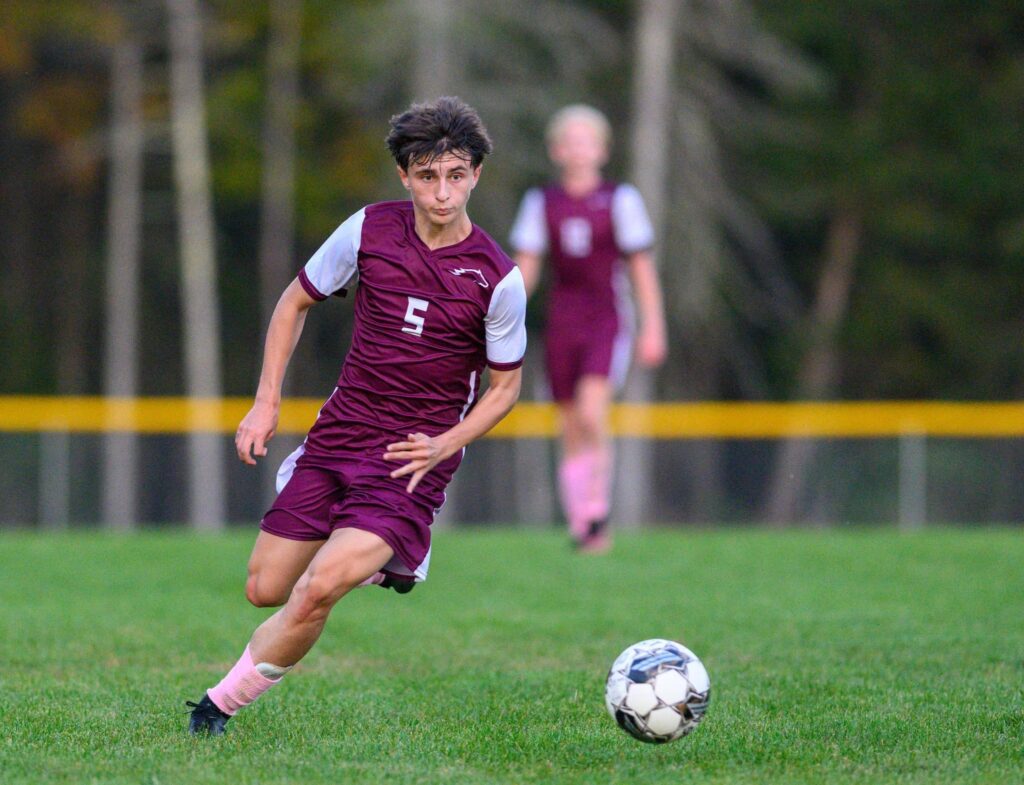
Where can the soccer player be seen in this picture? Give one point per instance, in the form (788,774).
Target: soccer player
(436,301)
(595,233)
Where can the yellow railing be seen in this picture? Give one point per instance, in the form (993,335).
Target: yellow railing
(656,420)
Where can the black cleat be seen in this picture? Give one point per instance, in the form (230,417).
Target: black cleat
(206,718)
(596,539)
(597,528)
(402,584)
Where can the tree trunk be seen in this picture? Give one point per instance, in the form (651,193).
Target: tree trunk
(72,317)
(277,213)
(694,296)
(817,371)
(200,311)
(124,231)
(20,321)
(654,58)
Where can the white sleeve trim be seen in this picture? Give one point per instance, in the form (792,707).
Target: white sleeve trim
(334,265)
(530,230)
(505,323)
(633,230)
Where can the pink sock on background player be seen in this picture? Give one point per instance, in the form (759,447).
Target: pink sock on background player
(599,489)
(573,478)
(243,684)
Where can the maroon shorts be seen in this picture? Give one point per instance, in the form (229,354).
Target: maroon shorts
(570,353)
(353,489)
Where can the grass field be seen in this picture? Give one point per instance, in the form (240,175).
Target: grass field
(864,657)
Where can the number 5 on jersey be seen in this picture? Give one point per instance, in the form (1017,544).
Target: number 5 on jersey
(414,320)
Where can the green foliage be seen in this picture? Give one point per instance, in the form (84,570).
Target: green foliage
(919,135)
(842,658)
(917,131)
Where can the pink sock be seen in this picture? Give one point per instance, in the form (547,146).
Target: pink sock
(241,686)
(573,479)
(598,497)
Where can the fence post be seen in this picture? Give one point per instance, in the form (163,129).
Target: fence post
(913,481)
(54,479)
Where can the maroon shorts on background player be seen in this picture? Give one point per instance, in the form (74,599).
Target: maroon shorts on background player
(601,349)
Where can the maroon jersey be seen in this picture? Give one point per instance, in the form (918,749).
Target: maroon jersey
(589,315)
(426,323)
(585,239)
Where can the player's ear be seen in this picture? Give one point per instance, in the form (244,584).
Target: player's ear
(404,177)
(476,173)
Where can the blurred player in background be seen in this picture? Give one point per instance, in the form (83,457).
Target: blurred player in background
(595,234)
(437,302)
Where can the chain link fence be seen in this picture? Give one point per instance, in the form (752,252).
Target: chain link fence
(55,479)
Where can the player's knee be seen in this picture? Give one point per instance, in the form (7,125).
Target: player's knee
(315,595)
(590,425)
(262,595)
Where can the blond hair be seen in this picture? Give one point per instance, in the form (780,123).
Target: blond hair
(582,112)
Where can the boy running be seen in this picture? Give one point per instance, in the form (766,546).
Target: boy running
(437,301)
(587,226)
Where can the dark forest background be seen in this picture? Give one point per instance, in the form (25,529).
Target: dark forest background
(836,186)
(877,142)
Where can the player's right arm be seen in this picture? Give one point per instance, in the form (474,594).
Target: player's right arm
(505,331)
(529,265)
(529,238)
(634,236)
(259,425)
(330,270)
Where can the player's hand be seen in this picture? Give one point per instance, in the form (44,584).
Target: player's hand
(651,348)
(256,429)
(421,452)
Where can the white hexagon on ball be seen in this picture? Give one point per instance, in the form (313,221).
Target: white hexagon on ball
(698,676)
(672,687)
(641,698)
(664,721)
(615,691)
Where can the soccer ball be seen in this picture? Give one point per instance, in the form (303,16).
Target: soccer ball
(657,691)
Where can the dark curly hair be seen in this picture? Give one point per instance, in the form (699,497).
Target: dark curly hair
(424,132)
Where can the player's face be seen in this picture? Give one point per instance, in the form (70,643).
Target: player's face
(579,146)
(440,188)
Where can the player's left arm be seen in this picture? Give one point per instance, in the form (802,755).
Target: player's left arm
(422,453)
(505,333)
(634,235)
(652,346)
(529,238)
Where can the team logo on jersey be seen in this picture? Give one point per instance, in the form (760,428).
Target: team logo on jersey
(474,273)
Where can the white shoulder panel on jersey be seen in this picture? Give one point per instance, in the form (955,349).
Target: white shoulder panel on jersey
(334,265)
(530,231)
(505,323)
(633,230)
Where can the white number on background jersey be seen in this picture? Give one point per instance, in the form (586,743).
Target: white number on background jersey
(413,320)
(576,237)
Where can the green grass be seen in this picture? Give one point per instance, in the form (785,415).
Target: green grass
(854,657)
